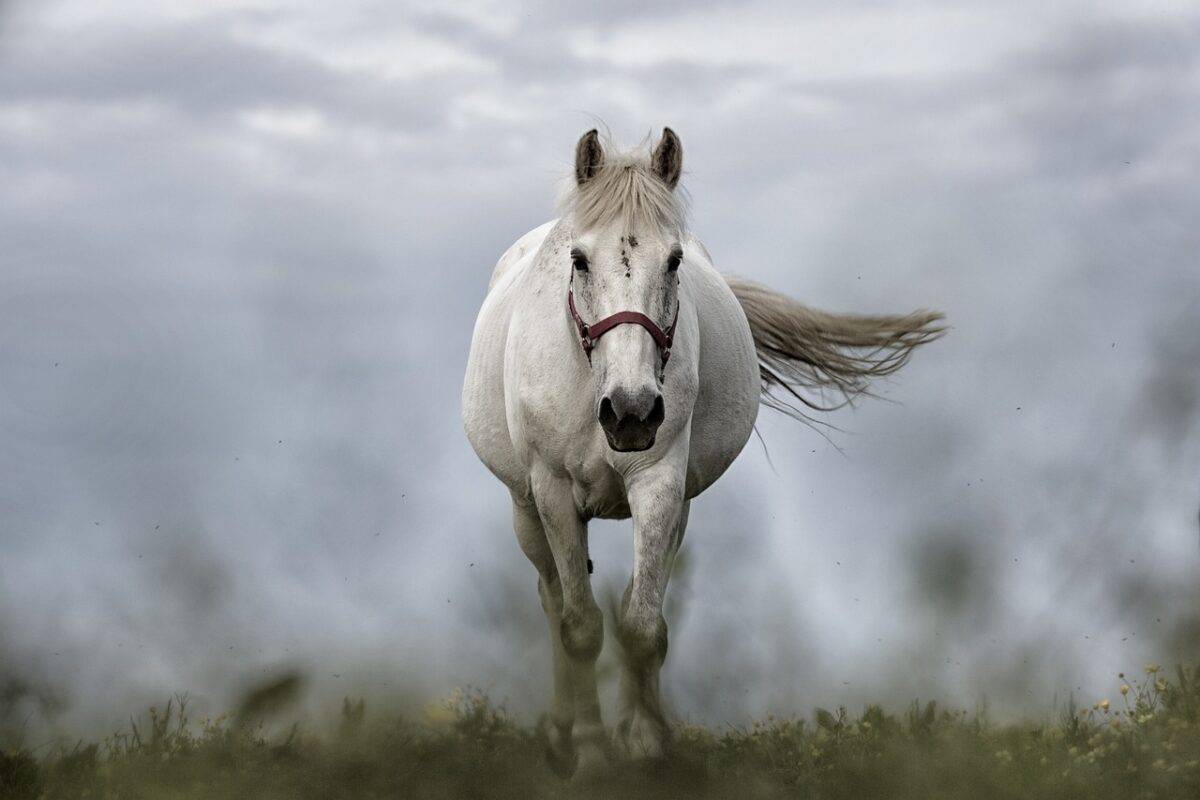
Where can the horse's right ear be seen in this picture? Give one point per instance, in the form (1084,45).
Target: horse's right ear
(667,159)
(589,157)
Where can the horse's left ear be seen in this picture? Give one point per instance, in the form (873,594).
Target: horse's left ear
(667,159)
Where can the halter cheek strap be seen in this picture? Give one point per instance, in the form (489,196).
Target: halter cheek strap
(590,334)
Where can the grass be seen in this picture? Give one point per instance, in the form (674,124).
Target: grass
(1145,743)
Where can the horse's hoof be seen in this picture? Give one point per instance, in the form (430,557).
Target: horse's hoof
(641,739)
(591,764)
(556,743)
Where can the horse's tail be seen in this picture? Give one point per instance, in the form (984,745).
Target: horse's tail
(825,360)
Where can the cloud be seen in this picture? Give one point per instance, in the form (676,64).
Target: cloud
(244,247)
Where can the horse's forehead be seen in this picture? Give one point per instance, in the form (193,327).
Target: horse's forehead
(627,237)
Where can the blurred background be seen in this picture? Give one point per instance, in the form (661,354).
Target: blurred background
(242,245)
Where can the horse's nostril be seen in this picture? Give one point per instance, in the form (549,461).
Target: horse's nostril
(656,415)
(607,415)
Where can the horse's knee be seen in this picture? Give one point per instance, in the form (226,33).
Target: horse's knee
(643,637)
(582,633)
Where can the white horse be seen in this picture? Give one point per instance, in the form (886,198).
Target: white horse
(615,373)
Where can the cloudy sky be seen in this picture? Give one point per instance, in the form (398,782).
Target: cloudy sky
(242,245)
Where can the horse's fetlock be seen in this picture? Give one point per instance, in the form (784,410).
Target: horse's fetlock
(643,637)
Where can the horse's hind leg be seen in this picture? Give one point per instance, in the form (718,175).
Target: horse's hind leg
(555,727)
(660,518)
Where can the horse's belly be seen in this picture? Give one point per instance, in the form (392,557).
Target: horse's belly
(727,401)
(718,436)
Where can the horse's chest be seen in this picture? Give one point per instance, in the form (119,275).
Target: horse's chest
(599,491)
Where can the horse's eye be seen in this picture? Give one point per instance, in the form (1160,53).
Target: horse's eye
(673,260)
(579,260)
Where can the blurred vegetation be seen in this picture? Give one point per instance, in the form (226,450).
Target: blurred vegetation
(1143,743)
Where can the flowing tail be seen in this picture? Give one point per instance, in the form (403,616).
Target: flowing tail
(825,361)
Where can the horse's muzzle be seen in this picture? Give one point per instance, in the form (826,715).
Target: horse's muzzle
(631,420)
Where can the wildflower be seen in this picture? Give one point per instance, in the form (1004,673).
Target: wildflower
(1124,688)
(1161,685)
(1152,668)
(1103,705)
(441,714)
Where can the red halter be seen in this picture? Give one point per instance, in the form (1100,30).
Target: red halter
(590,334)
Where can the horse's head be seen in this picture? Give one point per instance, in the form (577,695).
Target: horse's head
(627,225)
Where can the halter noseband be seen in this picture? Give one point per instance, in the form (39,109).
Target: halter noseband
(590,334)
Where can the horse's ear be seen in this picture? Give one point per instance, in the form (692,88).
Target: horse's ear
(589,157)
(667,159)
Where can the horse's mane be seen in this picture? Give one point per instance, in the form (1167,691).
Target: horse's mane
(624,188)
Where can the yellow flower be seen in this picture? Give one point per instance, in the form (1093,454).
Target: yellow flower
(437,715)
(1124,688)
(441,714)
(1104,705)
(1152,668)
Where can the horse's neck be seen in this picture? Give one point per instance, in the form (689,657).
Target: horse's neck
(548,268)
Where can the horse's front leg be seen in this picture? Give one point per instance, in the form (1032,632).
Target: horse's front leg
(659,517)
(555,726)
(581,629)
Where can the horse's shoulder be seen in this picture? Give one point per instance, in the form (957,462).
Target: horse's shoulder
(525,246)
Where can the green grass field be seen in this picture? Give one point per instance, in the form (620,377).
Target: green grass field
(1143,742)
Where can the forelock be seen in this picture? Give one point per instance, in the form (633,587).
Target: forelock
(624,189)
